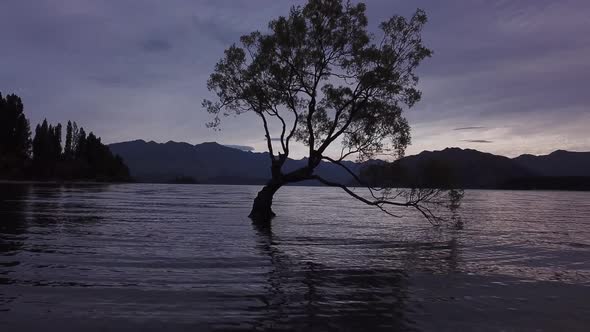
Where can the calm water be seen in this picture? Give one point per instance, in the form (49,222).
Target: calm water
(185,257)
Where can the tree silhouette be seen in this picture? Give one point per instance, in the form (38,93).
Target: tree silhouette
(323,79)
(56,141)
(82,157)
(80,151)
(68,147)
(47,150)
(15,136)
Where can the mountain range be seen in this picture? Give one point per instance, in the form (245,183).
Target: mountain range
(467,168)
(210,162)
(214,163)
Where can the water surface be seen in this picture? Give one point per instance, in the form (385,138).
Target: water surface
(186,257)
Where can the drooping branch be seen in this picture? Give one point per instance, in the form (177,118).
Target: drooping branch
(358,180)
(418,199)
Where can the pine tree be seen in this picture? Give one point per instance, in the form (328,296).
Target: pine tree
(40,146)
(81,144)
(83,157)
(15,133)
(56,142)
(75,134)
(68,146)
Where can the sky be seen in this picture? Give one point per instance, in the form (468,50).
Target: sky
(507,76)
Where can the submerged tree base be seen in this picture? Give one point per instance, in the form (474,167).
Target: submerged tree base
(262,216)
(262,208)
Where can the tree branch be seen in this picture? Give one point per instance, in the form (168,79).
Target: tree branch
(381,203)
(267,135)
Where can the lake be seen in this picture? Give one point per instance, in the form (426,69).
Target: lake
(156,257)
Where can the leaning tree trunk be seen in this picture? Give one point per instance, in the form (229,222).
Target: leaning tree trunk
(262,207)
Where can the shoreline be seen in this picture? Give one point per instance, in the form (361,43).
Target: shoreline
(70,182)
(2,181)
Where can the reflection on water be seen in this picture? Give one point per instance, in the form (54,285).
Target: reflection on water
(12,207)
(307,295)
(155,257)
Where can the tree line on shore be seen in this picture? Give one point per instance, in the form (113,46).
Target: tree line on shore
(42,157)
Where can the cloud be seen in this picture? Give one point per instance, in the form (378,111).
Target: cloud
(476,141)
(216,30)
(470,128)
(156,45)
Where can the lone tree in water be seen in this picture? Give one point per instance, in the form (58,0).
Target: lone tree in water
(320,78)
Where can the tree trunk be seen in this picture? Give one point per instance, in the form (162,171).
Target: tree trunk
(262,207)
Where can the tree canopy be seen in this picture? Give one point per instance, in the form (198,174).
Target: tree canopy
(317,76)
(43,158)
(15,135)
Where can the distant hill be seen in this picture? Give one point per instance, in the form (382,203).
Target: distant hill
(209,163)
(452,166)
(471,168)
(218,164)
(474,169)
(558,163)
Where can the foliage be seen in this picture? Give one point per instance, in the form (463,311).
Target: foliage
(84,157)
(322,68)
(15,140)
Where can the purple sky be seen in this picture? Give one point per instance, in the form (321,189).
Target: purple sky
(507,77)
